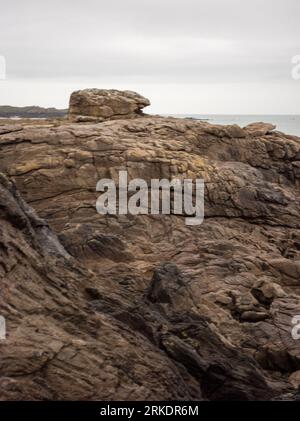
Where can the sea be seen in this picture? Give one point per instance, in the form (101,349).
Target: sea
(289,124)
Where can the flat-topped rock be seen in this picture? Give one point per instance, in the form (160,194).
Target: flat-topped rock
(97,105)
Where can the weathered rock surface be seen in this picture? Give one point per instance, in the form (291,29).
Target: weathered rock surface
(145,307)
(95,105)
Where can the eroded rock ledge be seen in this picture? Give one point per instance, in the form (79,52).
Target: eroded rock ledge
(96,105)
(145,307)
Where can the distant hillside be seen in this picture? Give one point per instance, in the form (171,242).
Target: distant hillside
(7,111)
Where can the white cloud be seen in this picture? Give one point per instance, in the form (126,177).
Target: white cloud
(162,43)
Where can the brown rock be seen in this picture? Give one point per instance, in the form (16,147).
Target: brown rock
(94,311)
(96,105)
(294,379)
(260,129)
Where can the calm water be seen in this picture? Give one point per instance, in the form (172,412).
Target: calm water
(289,124)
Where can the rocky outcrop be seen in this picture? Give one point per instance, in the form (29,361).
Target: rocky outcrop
(96,105)
(31,112)
(60,343)
(68,339)
(145,307)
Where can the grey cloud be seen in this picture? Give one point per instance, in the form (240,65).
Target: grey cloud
(186,41)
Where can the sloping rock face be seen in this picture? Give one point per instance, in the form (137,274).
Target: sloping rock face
(96,105)
(60,343)
(145,307)
(68,339)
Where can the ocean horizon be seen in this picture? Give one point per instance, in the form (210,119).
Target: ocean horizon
(288,124)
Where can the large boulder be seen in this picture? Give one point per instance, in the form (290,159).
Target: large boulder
(96,105)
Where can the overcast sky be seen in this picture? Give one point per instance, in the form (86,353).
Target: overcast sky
(187,56)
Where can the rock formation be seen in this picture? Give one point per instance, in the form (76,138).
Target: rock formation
(31,112)
(96,105)
(144,307)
